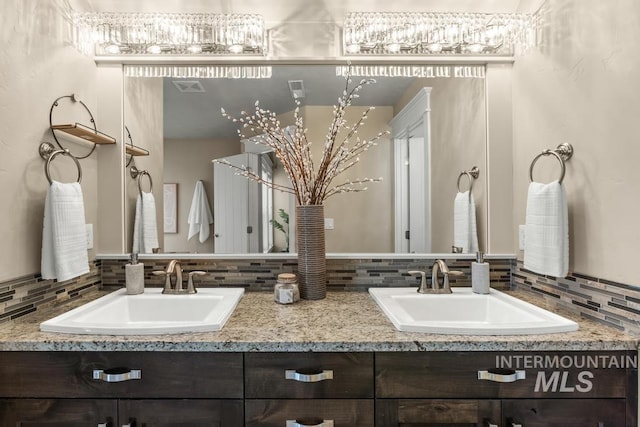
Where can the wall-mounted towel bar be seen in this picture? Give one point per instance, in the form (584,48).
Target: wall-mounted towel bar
(471,174)
(562,153)
(48,152)
(139,174)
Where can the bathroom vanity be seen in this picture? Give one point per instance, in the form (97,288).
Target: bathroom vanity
(337,361)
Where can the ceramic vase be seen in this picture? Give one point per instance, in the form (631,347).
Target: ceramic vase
(310,244)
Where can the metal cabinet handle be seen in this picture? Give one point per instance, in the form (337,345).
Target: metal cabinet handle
(117,375)
(488,423)
(296,423)
(501,375)
(103,425)
(292,374)
(127,425)
(516,425)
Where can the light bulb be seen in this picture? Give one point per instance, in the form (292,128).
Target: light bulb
(112,49)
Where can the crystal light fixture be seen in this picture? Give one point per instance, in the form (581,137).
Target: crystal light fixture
(381,33)
(112,33)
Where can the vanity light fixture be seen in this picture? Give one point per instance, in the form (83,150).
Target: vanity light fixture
(417,33)
(421,71)
(114,33)
(199,71)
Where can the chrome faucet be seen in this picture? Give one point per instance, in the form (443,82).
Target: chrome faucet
(438,267)
(174,267)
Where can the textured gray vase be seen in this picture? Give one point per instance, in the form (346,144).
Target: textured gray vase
(312,262)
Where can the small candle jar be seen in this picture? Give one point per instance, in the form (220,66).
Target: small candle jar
(286,290)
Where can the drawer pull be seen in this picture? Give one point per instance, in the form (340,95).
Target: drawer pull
(292,374)
(488,423)
(317,423)
(117,375)
(501,375)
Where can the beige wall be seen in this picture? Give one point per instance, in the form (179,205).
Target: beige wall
(186,162)
(37,65)
(143,116)
(363,221)
(458,136)
(581,86)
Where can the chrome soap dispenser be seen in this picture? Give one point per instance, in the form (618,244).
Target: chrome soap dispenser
(480,282)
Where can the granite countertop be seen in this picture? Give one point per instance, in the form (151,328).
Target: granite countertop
(344,321)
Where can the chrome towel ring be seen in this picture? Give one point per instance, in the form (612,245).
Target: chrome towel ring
(471,174)
(562,153)
(48,152)
(138,174)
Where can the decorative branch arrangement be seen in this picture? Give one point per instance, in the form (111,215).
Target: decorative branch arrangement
(311,185)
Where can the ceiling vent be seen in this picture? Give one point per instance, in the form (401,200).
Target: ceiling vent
(296,87)
(188,86)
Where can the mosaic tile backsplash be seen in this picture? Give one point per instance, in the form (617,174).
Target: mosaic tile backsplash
(614,304)
(26,294)
(342,274)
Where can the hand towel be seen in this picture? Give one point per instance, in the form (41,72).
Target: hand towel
(200,214)
(465,234)
(546,243)
(64,235)
(145,231)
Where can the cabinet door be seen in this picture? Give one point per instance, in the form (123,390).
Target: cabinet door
(565,413)
(58,412)
(181,413)
(437,412)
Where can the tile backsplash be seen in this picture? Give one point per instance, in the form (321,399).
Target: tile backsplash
(27,294)
(342,274)
(614,304)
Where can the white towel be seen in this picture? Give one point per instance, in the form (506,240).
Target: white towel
(145,231)
(200,214)
(64,235)
(546,243)
(465,234)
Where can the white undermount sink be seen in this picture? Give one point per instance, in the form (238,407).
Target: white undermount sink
(149,313)
(466,313)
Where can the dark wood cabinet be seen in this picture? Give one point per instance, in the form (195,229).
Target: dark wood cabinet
(309,412)
(181,413)
(309,389)
(386,389)
(565,413)
(437,412)
(506,389)
(58,412)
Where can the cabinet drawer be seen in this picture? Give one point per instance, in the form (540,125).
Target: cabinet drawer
(309,375)
(311,412)
(169,375)
(548,374)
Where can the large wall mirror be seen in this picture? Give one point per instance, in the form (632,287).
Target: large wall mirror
(179,122)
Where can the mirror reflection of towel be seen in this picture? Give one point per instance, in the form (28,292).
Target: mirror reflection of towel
(546,243)
(465,233)
(145,231)
(64,236)
(200,214)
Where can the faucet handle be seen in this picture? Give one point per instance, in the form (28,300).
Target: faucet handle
(191,289)
(167,280)
(455,273)
(423,279)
